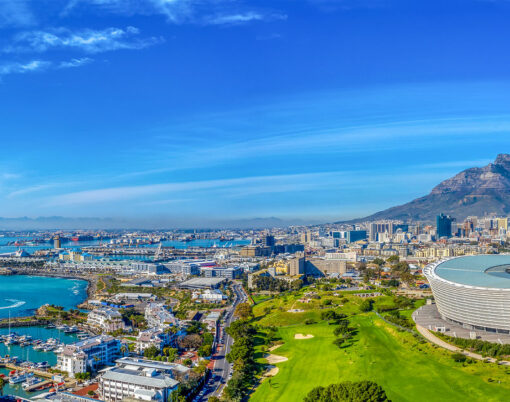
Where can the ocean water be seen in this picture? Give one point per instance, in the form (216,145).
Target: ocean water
(28,353)
(21,295)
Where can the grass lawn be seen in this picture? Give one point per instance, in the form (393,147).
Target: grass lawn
(406,368)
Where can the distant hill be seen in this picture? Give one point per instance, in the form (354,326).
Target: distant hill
(475,191)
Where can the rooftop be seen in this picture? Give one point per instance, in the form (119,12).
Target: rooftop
(487,271)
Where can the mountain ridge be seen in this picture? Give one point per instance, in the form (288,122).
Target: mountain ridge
(475,191)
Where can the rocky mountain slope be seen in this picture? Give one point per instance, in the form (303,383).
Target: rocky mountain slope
(475,191)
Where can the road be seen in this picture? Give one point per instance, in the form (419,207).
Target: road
(222,367)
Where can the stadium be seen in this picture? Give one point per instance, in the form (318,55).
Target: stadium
(473,291)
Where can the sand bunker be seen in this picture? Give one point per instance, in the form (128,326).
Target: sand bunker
(274,359)
(275,347)
(301,336)
(271,371)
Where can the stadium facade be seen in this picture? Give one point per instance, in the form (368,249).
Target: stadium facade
(473,291)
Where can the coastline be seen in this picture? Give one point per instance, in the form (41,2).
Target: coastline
(90,288)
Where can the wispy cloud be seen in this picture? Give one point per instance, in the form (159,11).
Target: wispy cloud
(87,40)
(21,68)
(214,12)
(271,183)
(40,65)
(75,62)
(242,18)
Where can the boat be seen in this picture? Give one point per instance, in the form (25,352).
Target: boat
(42,365)
(30,382)
(18,378)
(71,330)
(51,326)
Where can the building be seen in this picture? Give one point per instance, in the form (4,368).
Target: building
(473,291)
(202,283)
(324,267)
(355,235)
(221,272)
(209,296)
(255,251)
(154,337)
(297,266)
(267,241)
(444,226)
(158,316)
(141,379)
(211,320)
(57,243)
(105,319)
(148,268)
(89,354)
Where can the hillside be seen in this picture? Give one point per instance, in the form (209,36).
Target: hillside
(475,191)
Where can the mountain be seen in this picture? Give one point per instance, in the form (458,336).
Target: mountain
(475,191)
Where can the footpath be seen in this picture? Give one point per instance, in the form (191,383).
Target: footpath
(439,342)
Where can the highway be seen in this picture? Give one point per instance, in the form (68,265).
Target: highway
(221,372)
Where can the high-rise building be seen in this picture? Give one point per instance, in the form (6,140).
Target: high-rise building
(444,225)
(57,242)
(355,235)
(267,241)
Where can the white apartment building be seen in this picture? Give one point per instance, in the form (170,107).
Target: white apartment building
(158,316)
(88,354)
(105,319)
(140,379)
(209,296)
(153,337)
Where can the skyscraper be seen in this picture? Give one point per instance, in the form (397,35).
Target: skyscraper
(56,242)
(444,225)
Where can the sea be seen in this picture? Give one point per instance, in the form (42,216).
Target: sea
(21,295)
(28,353)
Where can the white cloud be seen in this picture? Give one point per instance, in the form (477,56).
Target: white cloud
(214,12)
(88,40)
(21,68)
(242,18)
(40,65)
(75,62)
(269,183)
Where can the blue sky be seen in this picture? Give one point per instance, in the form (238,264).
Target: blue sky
(213,110)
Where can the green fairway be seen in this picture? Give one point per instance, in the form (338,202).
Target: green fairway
(407,369)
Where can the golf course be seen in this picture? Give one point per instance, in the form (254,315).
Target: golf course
(406,366)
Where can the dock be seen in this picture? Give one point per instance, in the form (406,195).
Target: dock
(38,385)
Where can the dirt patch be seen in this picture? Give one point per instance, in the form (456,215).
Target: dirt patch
(274,359)
(301,336)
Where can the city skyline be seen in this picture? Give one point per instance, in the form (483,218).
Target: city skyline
(208,112)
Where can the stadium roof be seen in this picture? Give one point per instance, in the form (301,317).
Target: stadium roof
(488,271)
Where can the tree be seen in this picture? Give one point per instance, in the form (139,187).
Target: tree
(170,353)
(205,350)
(366,391)
(393,259)
(379,262)
(243,311)
(366,305)
(407,278)
(151,352)
(459,357)
(192,341)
